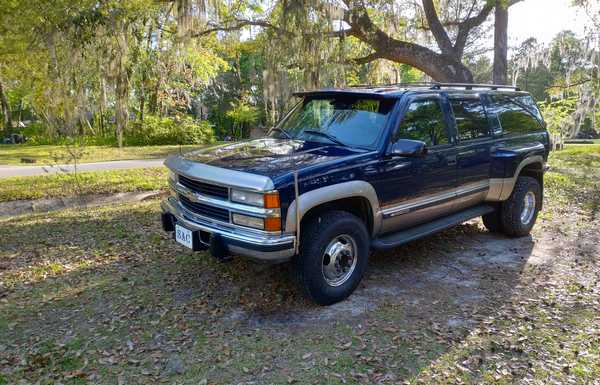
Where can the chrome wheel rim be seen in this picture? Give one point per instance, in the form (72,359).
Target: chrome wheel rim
(528,208)
(339,260)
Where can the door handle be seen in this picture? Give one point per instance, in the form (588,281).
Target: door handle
(451,160)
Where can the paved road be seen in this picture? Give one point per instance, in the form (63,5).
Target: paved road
(8,171)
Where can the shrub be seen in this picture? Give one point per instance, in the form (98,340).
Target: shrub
(36,133)
(179,130)
(243,115)
(154,130)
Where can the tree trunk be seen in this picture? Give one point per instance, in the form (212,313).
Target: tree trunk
(103,104)
(121,82)
(142,96)
(500,43)
(6,112)
(121,107)
(142,103)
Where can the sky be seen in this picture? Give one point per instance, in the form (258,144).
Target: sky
(542,19)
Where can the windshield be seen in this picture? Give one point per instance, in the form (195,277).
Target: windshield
(342,120)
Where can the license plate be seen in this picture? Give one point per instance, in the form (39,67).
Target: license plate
(184,236)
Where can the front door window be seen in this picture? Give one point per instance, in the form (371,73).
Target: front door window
(424,121)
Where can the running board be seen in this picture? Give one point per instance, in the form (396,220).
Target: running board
(392,240)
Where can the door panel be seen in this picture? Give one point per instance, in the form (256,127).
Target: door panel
(473,148)
(417,189)
(423,191)
(474,163)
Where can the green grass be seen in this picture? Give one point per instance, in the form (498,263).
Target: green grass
(46,154)
(577,156)
(93,182)
(103,295)
(82,305)
(574,173)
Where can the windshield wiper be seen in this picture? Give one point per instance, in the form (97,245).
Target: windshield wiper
(284,132)
(325,135)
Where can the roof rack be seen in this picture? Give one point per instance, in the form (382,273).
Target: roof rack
(438,86)
(470,86)
(390,85)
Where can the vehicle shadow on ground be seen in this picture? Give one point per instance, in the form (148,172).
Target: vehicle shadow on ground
(129,280)
(465,267)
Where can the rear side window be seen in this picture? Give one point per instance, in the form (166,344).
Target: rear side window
(424,121)
(526,101)
(517,116)
(471,120)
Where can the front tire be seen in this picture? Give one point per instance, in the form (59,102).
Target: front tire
(519,212)
(334,254)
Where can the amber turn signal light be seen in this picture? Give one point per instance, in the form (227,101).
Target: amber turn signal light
(273,224)
(272,200)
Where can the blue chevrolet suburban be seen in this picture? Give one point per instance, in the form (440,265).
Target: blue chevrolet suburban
(351,170)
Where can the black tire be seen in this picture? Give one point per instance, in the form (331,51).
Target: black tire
(493,221)
(317,234)
(513,207)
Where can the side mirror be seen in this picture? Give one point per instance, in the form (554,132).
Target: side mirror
(408,147)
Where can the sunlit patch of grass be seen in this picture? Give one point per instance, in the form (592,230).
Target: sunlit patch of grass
(577,156)
(44,270)
(574,177)
(506,350)
(48,154)
(96,182)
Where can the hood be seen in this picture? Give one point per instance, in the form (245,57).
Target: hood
(270,156)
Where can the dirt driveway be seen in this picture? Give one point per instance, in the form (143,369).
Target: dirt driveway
(104,296)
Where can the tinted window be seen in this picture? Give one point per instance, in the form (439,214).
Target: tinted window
(514,116)
(350,120)
(471,120)
(527,102)
(423,121)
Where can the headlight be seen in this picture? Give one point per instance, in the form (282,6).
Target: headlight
(268,200)
(172,176)
(247,197)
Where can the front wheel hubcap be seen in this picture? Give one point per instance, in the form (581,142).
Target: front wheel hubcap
(339,260)
(528,207)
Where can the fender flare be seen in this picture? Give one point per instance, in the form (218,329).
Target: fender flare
(501,188)
(314,198)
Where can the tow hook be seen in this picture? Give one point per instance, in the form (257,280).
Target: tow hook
(218,249)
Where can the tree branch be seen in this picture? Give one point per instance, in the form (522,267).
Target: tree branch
(437,29)
(441,67)
(465,27)
(242,23)
(365,59)
(239,24)
(568,85)
(445,66)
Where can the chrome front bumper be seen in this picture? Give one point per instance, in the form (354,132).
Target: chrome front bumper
(265,247)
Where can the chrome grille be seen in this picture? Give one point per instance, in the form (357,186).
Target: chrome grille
(205,210)
(203,188)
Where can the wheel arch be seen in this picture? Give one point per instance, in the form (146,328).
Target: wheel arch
(356,205)
(534,170)
(356,197)
(501,188)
